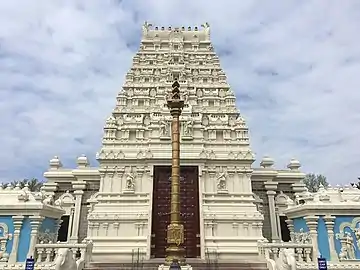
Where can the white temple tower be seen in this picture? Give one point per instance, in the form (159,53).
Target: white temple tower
(131,209)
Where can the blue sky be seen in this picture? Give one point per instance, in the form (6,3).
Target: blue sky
(294,66)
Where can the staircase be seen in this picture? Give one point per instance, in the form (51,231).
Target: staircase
(196,264)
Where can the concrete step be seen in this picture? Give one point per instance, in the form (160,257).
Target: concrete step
(196,265)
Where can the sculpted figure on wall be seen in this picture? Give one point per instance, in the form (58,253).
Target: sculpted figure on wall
(350,247)
(302,237)
(188,128)
(130,182)
(65,260)
(357,236)
(347,251)
(221,182)
(5,236)
(164,129)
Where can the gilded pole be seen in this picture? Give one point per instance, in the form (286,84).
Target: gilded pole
(175,230)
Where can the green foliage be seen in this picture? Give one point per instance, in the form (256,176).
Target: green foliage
(313,181)
(33,184)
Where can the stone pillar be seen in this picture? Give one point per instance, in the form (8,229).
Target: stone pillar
(57,228)
(71,217)
(78,187)
(35,222)
(271,188)
(278,227)
(18,222)
(312,224)
(329,222)
(290,224)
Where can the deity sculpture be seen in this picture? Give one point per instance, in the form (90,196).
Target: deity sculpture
(221,182)
(145,28)
(357,236)
(302,237)
(164,128)
(206,27)
(130,182)
(188,128)
(350,248)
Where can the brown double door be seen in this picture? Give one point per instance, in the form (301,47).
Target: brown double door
(189,208)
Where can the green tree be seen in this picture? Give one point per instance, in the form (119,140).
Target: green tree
(313,181)
(33,184)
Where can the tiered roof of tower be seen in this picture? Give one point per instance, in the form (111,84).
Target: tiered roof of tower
(141,116)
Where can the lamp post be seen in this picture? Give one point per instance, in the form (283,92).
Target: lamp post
(175,230)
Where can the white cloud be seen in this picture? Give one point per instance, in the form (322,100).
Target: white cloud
(293,65)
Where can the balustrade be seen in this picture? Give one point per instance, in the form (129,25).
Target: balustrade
(303,252)
(46,253)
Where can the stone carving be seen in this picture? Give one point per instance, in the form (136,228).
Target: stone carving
(164,129)
(47,237)
(65,260)
(188,128)
(347,251)
(286,260)
(5,236)
(348,240)
(357,237)
(130,182)
(302,237)
(221,183)
(145,29)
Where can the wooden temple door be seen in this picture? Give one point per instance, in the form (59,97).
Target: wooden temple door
(189,208)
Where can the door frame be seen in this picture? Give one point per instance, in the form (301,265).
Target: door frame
(201,183)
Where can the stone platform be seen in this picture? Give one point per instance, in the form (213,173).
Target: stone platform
(196,264)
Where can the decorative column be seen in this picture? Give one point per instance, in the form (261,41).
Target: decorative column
(330,222)
(18,222)
(290,224)
(35,222)
(278,227)
(271,188)
(78,187)
(175,230)
(312,224)
(70,227)
(57,228)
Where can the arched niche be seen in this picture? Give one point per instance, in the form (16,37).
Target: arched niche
(66,201)
(282,202)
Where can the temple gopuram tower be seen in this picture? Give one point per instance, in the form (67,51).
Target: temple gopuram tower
(217,203)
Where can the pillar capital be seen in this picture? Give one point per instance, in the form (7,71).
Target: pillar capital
(312,222)
(271,186)
(17,221)
(329,218)
(271,193)
(78,185)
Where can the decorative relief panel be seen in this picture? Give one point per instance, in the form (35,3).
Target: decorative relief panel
(5,236)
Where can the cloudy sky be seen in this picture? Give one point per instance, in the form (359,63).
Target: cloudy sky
(294,66)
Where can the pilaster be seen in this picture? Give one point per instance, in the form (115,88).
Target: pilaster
(71,218)
(78,187)
(312,224)
(271,188)
(18,222)
(330,222)
(35,222)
